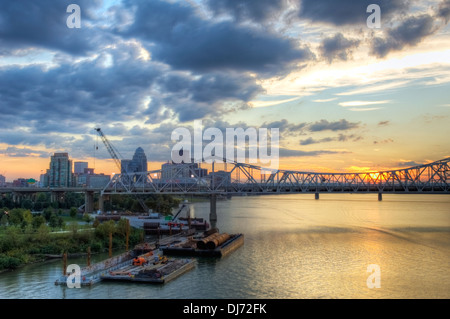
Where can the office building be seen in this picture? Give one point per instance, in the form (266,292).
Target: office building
(60,172)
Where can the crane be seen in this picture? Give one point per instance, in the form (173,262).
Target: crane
(113,152)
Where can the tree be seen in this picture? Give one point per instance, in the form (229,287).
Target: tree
(27,217)
(47,213)
(4,220)
(73,212)
(61,223)
(87,218)
(43,233)
(16,216)
(38,221)
(53,222)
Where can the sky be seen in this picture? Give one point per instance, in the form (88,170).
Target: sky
(345,97)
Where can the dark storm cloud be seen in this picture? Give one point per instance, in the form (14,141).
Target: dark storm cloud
(254,10)
(179,37)
(78,92)
(30,23)
(347,12)
(410,32)
(324,125)
(337,47)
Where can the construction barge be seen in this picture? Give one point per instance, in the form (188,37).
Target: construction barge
(213,244)
(153,268)
(159,272)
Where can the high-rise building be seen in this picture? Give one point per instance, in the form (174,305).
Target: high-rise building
(139,161)
(60,173)
(2,181)
(79,167)
(137,164)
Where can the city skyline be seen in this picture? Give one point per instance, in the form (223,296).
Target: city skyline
(344,96)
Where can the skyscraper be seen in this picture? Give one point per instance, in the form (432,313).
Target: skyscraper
(137,164)
(139,160)
(60,172)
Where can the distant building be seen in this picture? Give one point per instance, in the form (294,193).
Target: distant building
(2,181)
(79,167)
(89,179)
(221,178)
(97,180)
(182,171)
(20,182)
(125,166)
(135,165)
(60,172)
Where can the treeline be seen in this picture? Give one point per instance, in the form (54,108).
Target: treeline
(26,238)
(43,201)
(159,203)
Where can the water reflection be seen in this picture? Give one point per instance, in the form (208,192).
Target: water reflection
(295,247)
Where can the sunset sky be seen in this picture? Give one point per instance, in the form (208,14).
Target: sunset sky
(345,97)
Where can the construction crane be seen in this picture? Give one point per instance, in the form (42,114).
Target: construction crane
(113,152)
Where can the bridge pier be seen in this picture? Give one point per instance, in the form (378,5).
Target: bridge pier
(212,211)
(380,196)
(101,203)
(316,195)
(88,202)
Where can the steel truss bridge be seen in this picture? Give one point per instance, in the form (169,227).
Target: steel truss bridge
(244,179)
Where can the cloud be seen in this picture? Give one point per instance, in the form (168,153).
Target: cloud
(339,138)
(324,125)
(386,141)
(347,12)
(258,11)
(362,103)
(337,47)
(179,37)
(410,32)
(12,151)
(298,153)
(28,23)
(384,123)
(408,164)
(285,127)
(444,10)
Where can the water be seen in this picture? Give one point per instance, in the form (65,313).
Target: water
(295,247)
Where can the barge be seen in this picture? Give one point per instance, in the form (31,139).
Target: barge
(155,273)
(215,245)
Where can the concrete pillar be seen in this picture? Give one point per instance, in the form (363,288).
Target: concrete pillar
(380,196)
(316,195)
(101,203)
(88,202)
(212,211)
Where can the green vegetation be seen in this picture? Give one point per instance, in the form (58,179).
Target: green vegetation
(26,238)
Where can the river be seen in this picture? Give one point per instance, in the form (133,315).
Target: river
(295,247)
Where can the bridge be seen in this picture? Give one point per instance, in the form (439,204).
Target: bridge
(233,179)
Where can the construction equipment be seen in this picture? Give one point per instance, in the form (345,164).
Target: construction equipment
(113,152)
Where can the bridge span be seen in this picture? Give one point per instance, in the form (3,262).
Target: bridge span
(234,179)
